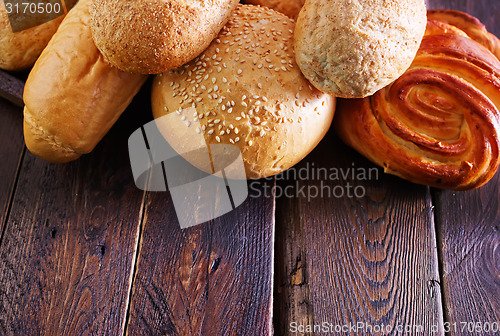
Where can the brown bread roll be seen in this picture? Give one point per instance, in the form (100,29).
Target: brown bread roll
(19,50)
(247,91)
(72,96)
(439,124)
(153,36)
(290,8)
(351,49)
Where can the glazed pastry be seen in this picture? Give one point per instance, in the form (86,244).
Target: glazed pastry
(438,124)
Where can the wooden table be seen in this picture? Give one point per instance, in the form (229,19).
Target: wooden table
(84,252)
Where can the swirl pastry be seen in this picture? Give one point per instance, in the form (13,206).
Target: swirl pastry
(439,123)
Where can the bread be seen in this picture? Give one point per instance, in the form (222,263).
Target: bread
(351,49)
(153,36)
(72,96)
(248,92)
(290,8)
(19,50)
(439,124)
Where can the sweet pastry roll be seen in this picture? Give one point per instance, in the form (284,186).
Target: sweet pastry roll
(439,123)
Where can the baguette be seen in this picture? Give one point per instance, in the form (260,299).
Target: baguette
(72,96)
(20,50)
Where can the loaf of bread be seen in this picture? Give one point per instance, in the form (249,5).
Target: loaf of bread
(245,90)
(351,49)
(153,36)
(72,96)
(439,124)
(19,50)
(290,8)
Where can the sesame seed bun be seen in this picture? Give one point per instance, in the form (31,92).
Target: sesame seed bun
(153,36)
(247,91)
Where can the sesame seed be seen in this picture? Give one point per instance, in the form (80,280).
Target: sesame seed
(217,138)
(239,71)
(217,121)
(211,132)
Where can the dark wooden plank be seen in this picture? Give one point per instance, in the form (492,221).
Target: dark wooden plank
(348,260)
(70,242)
(469,240)
(468,227)
(11,151)
(11,88)
(211,279)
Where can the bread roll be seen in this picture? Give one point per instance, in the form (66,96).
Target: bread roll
(247,91)
(290,8)
(439,124)
(19,51)
(72,96)
(153,36)
(351,49)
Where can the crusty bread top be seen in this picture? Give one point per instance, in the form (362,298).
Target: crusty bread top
(20,50)
(353,48)
(248,92)
(72,95)
(153,36)
(290,8)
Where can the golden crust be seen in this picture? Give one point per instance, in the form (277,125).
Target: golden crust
(290,8)
(19,51)
(247,91)
(153,36)
(439,123)
(72,95)
(353,48)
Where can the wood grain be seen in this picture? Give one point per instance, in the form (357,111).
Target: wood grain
(468,227)
(70,243)
(369,259)
(469,238)
(11,151)
(211,279)
(11,88)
